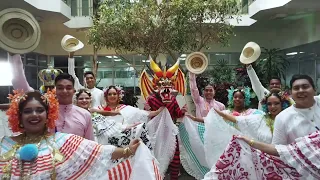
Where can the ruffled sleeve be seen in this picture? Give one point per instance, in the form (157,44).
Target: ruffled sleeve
(255,127)
(86,159)
(133,115)
(303,155)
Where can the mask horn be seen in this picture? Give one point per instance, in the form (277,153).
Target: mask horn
(156,69)
(173,69)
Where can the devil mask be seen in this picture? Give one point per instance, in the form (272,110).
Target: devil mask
(165,82)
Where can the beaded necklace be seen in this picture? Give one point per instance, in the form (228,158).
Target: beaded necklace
(11,155)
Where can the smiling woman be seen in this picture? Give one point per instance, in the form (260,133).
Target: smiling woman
(70,157)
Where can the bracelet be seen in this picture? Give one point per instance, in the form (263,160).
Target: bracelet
(251,142)
(126,151)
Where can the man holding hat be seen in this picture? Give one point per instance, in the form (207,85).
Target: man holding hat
(71,44)
(250,54)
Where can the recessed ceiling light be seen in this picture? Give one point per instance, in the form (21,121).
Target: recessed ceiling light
(292,53)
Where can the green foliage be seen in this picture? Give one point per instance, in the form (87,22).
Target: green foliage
(221,73)
(271,64)
(147,28)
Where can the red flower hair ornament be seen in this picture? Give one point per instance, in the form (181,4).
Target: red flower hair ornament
(19,96)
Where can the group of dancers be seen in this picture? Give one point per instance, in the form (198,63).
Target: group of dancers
(71,131)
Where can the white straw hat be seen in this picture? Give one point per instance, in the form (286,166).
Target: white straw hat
(19,31)
(250,53)
(71,44)
(196,62)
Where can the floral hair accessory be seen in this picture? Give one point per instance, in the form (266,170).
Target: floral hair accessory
(82,91)
(284,99)
(119,90)
(246,93)
(19,96)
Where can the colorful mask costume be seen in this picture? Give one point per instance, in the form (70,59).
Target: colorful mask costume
(47,76)
(159,92)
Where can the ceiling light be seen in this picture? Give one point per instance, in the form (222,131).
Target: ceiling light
(77,56)
(109,56)
(183,55)
(115,56)
(117,60)
(145,60)
(292,53)
(220,54)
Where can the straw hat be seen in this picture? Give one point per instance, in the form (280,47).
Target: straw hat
(71,44)
(196,62)
(19,31)
(250,53)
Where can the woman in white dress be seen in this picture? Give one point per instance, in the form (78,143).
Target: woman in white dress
(197,138)
(260,126)
(116,124)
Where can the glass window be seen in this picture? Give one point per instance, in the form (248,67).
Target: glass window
(42,60)
(291,70)
(120,61)
(107,74)
(85,7)
(221,56)
(5,90)
(32,76)
(74,7)
(104,61)
(140,60)
(308,67)
(234,58)
(31,59)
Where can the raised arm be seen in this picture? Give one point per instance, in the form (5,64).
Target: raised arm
(256,84)
(71,71)
(193,88)
(226,116)
(19,80)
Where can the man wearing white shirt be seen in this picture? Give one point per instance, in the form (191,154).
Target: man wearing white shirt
(97,95)
(258,87)
(302,118)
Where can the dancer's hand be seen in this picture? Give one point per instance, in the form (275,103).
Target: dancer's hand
(93,110)
(147,107)
(184,109)
(190,116)
(222,114)
(244,138)
(133,146)
(133,125)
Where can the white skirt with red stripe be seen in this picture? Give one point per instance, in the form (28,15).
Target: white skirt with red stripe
(82,159)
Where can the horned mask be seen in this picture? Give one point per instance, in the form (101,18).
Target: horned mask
(165,82)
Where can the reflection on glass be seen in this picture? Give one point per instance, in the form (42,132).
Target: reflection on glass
(42,60)
(31,59)
(32,76)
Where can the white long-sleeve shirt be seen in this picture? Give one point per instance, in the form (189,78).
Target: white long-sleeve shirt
(294,122)
(97,95)
(256,85)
